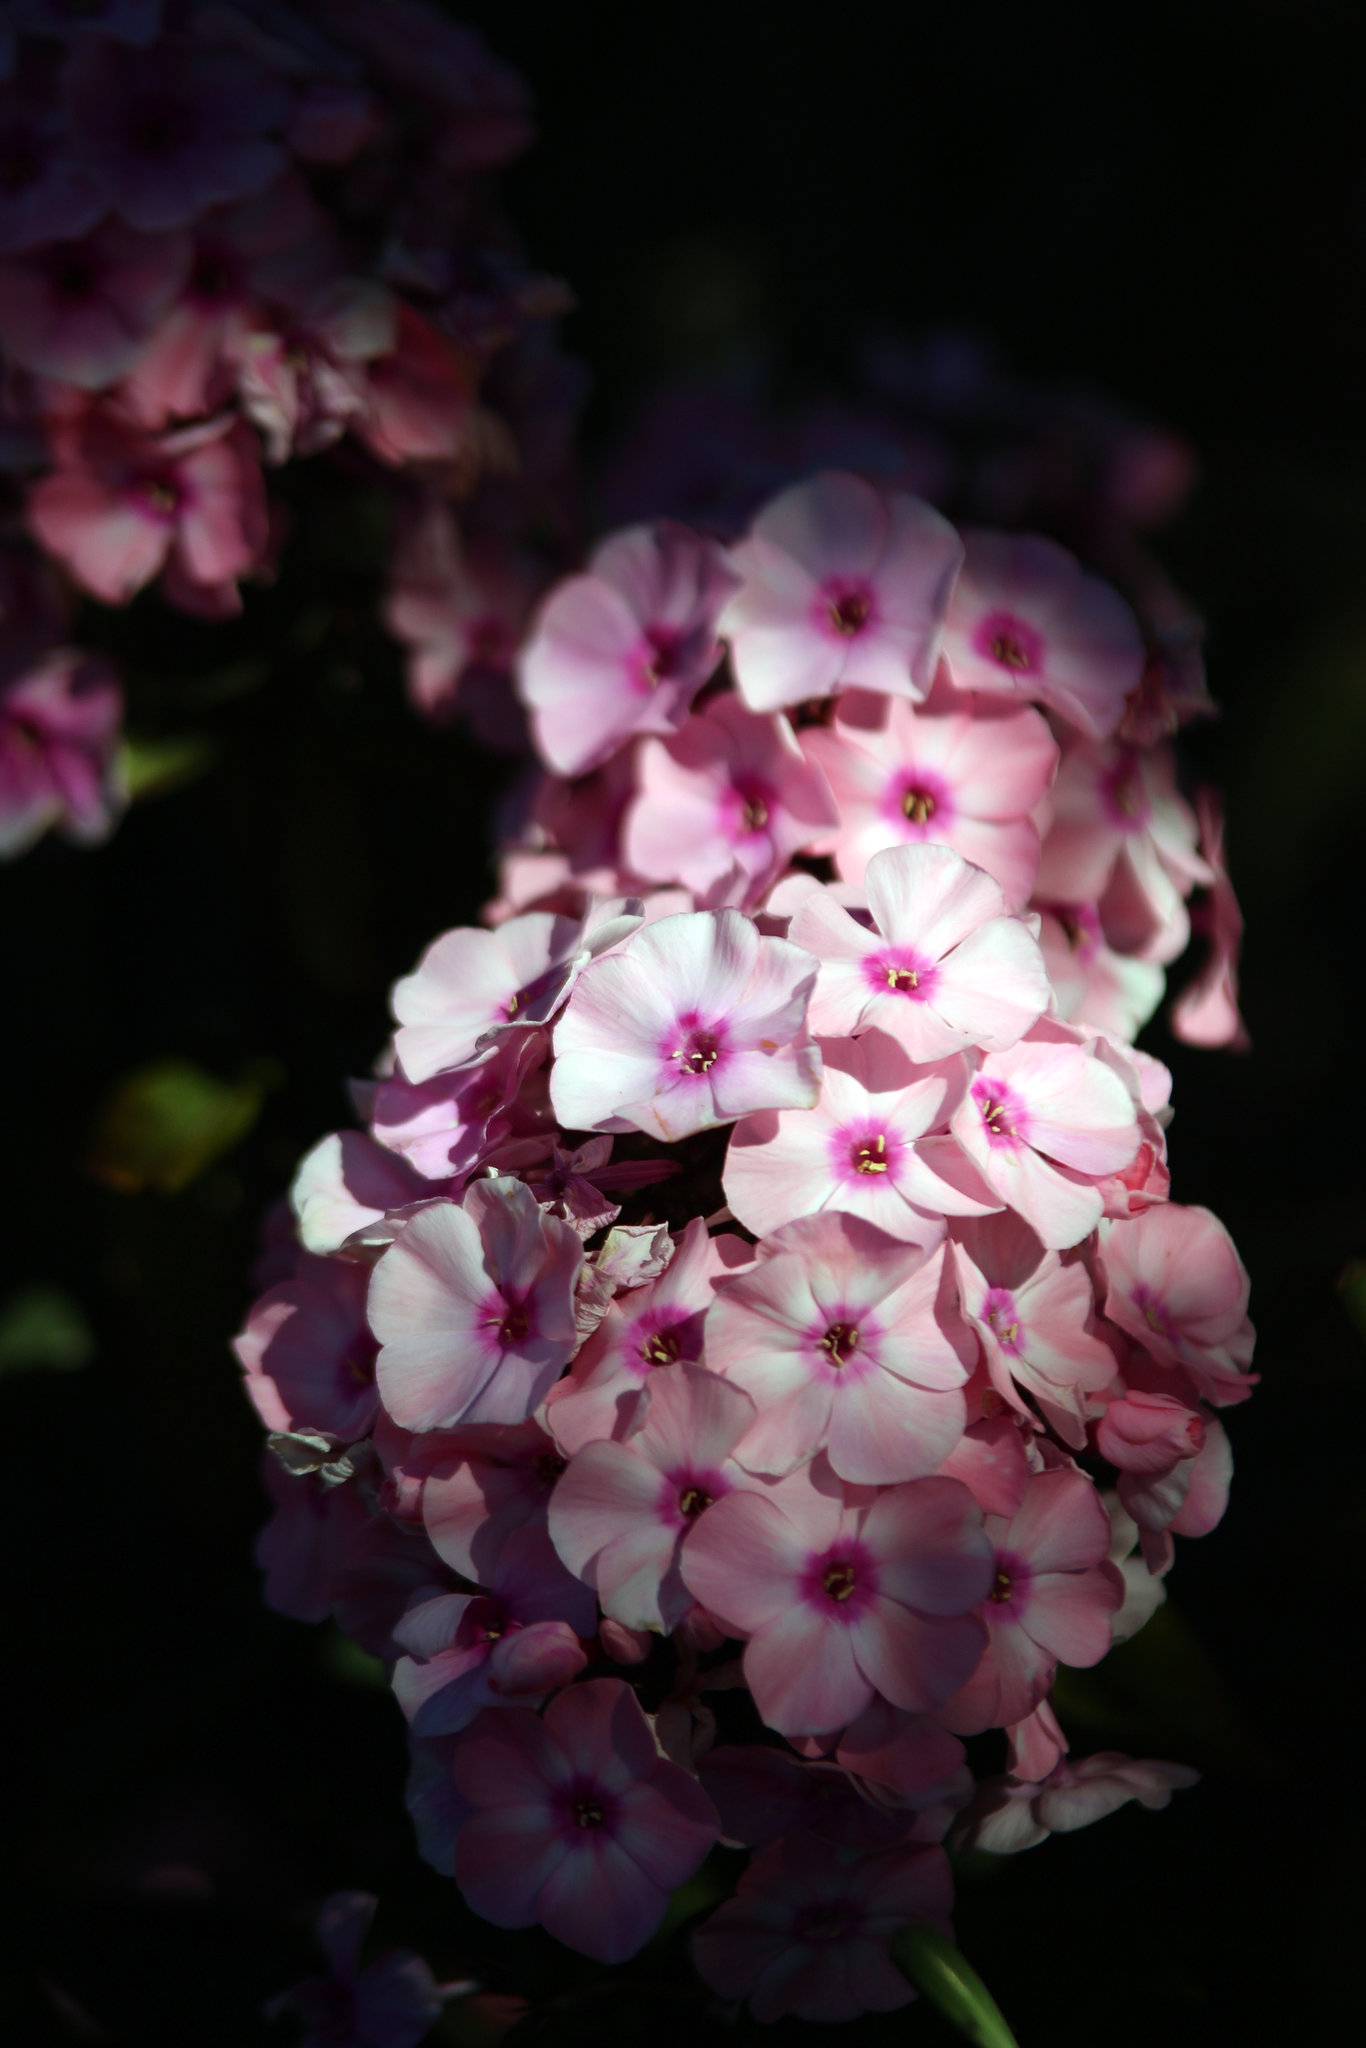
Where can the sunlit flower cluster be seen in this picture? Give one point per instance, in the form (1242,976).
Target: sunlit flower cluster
(750,1346)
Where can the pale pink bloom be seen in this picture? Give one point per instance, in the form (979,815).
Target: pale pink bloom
(472,986)
(626,647)
(1206,1011)
(837,1336)
(1035,1316)
(393,2002)
(657,1324)
(130,505)
(1050,1601)
(991,1459)
(301,379)
(1123,838)
(728,790)
(576,1184)
(60,723)
(871,1147)
(1187,1498)
(1146,1179)
(843,586)
(942,968)
(1008,1816)
(473,1307)
(450,1124)
(1044,1123)
(845,1593)
(963,772)
(459,612)
(516,1640)
(82,311)
(579,1823)
(1092,984)
(1026,621)
(1144,1591)
(345,1185)
(1174,1283)
(418,395)
(621,1514)
(170,131)
(1036,1745)
(308,1354)
(480,1483)
(1148,1433)
(694,1021)
(911,1764)
(810,1928)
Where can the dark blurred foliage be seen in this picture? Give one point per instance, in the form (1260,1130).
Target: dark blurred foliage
(1166,203)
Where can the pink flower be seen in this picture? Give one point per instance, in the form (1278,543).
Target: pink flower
(845,1594)
(1187,1498)
(1175,1284)
(83,311)
(1148,1433)
(1123,838)
(842,587)
(308,1355)
(1093,985)
(579,1823)
(621,1514)
(60,722)
(963,772)
(129,505)
(1206,1011)
(657,1324)
(1035,1317)
(810,1929)
(870,1147)
(480,1483)
(1051,1599)
(695,1021)
(460,613)
(1043,1123)
(1008,1816)
(943,967)
(393,2003)
(835,1335)
(728,791)
(626,647)
(473,1307)
(451,1123)
(418,395)
(1025,621)
(168,131)
(518,1640)
(471,986)
(346,1187)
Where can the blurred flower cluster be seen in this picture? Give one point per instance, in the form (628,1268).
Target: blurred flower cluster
(232,237)
(749,1345)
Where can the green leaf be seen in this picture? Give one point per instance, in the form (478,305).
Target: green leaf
(153,767)
(161,1125)
(945,1976)
(44,1330)
(349,1664)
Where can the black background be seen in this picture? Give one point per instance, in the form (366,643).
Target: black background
(1154,201)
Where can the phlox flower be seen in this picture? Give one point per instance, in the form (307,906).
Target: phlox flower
(1175,1284)
(478,1485)
(392,2003)
(762,1793)
(657,1324)
(942,968)
(695,1021)
(1092,984)
(625,648)
(1050,1601)
(844,1593)
(730,790)
(579,1823)
(961,772)
(621,1515)
(447,1126)
(1026,621)
(473,1308)
(1007,1815)
(843,586)
(471,986)
(1206,1011)
(517,1640)
(1185,1499)
(60,721)
(459,612)
(1034,1314)
(835,1336)
(909,1764)
(308,1354)
(1149,1433)
(1123,838)
(82,311)
(810,1928)
(1043,1123)
(873,1146)
(347,1184)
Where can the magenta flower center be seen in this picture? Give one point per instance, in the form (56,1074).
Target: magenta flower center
(1001,1112)
(850,611)
(1006,640)
(841,1581)
(699,1052)
(869,1155)
(1154,1313)
(692,1500)
(514,1323)
(1002,1587)
(918,805)
(661,1348)
(899,971)
(1000,1312)
(1123,794)
(840,1342)
(661,662)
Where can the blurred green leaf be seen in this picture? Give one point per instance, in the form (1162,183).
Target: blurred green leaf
(152,767)
(945,1976)
(163,1124)
(347,1662)
(44,1330)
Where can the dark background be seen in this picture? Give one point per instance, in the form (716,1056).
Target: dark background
(1151,201)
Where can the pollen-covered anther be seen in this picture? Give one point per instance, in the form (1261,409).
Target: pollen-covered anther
(840,1340)
(1002,1588)
(660,1349)
(918,806)
(1008,651)
(692,1500)
(588,1813)
(700,1053)
(902,979)
(849,614)
(754,814)
(515,1324)
(871,1155)
(838,1581)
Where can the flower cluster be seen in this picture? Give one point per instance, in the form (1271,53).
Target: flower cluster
(230,237)
(750,1345)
